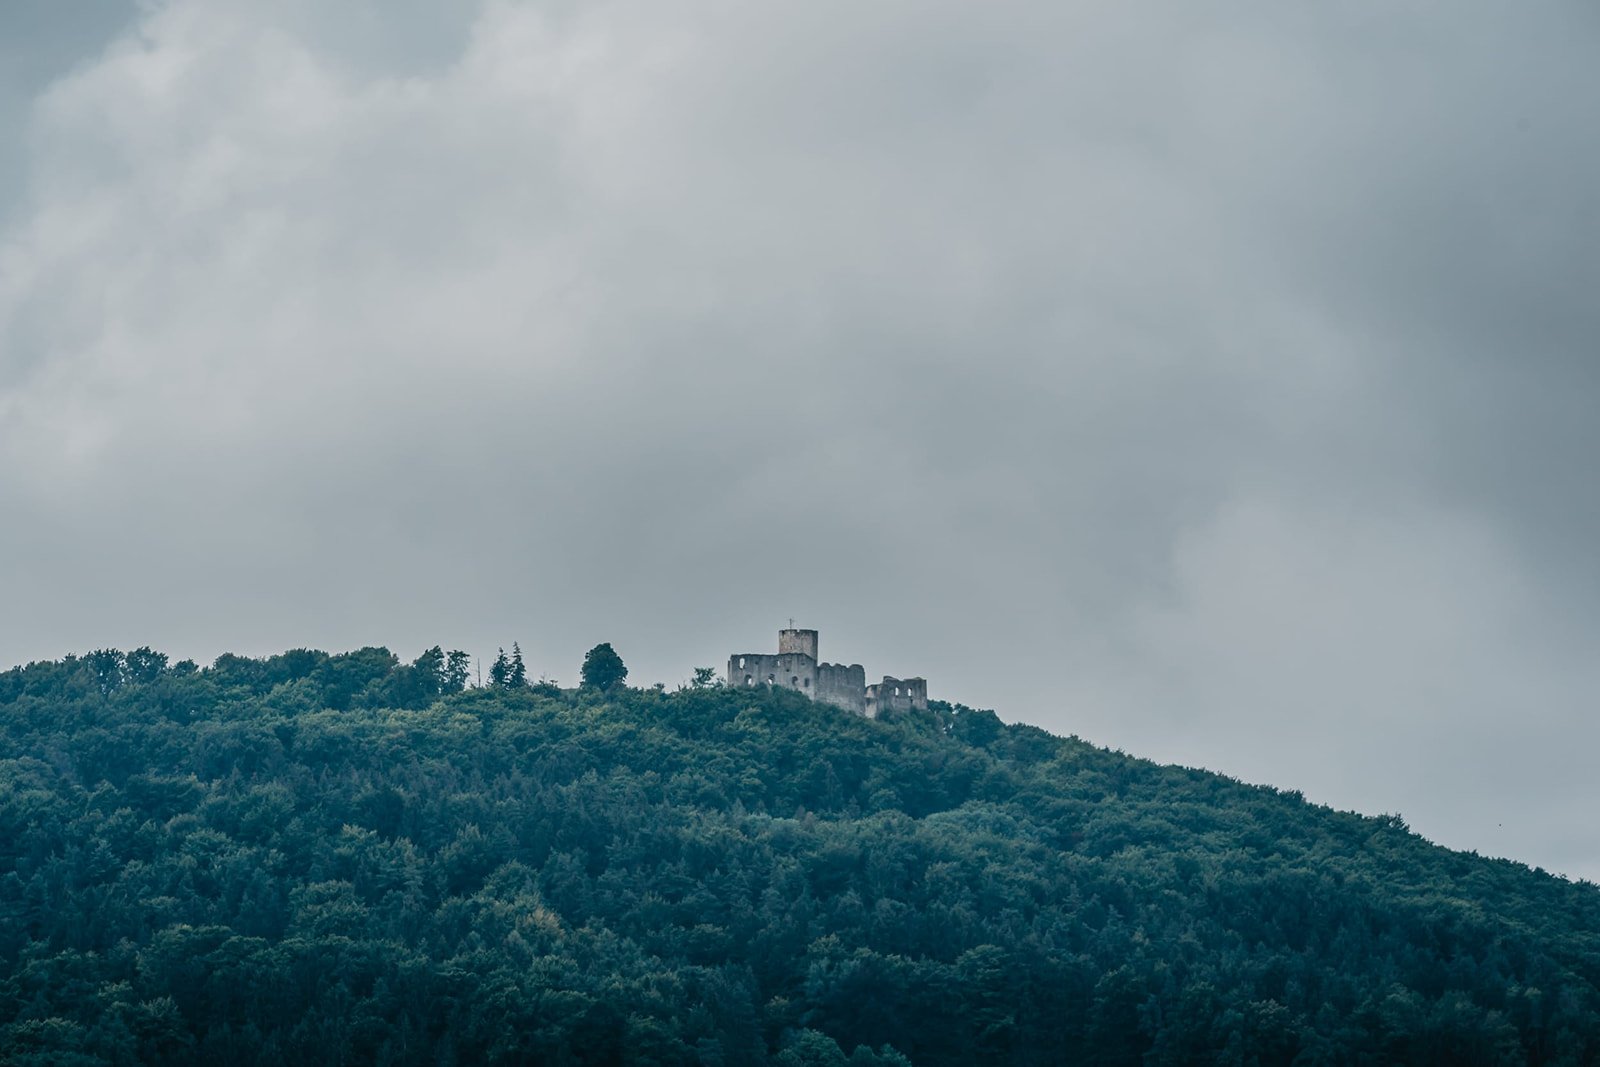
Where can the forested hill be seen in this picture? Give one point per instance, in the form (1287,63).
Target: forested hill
(321,859)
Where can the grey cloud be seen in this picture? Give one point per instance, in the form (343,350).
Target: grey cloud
(43,41)
(1209,383)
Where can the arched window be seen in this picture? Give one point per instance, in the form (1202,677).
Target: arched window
(749,680)
(770,679)
(741,663)
(795,681)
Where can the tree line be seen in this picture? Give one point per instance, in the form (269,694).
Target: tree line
(374,675)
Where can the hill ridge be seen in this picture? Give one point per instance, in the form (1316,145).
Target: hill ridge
(319,858)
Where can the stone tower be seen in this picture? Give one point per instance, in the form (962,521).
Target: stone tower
(802,642)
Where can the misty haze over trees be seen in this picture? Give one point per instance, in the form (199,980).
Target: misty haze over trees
(345,858)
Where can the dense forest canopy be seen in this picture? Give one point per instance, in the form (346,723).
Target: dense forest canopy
(345,858)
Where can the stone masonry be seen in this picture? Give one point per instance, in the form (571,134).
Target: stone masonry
(796,667)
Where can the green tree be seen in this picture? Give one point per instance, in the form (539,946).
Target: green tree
(517,675)
(810,1048)
(500,671)
(109,668)
(430,670)
(603,668)
(145,664)
(347,676)
(456,671)
(705,677)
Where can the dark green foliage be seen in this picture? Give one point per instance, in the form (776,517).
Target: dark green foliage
(346,859)
(603,668)
(109,666)
(145,665)
(456,672)
(517,674)
(508,672)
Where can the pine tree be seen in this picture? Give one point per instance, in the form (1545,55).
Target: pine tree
(501,671)
(456,671)
(518,676)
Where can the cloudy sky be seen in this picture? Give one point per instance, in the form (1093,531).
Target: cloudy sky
(1215,382)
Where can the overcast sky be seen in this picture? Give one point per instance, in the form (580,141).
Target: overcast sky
(1215,382)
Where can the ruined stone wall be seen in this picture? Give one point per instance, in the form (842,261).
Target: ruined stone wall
(897,694)
(790,670)
(843,687)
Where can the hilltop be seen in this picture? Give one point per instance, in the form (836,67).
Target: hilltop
(338,859)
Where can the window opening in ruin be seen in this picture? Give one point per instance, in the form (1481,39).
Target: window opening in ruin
(741,663)
(795,681)
(770,679)
(808,683)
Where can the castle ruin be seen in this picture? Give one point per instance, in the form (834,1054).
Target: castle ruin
(796,667)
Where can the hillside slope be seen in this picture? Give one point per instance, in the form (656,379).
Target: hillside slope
(330,860)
